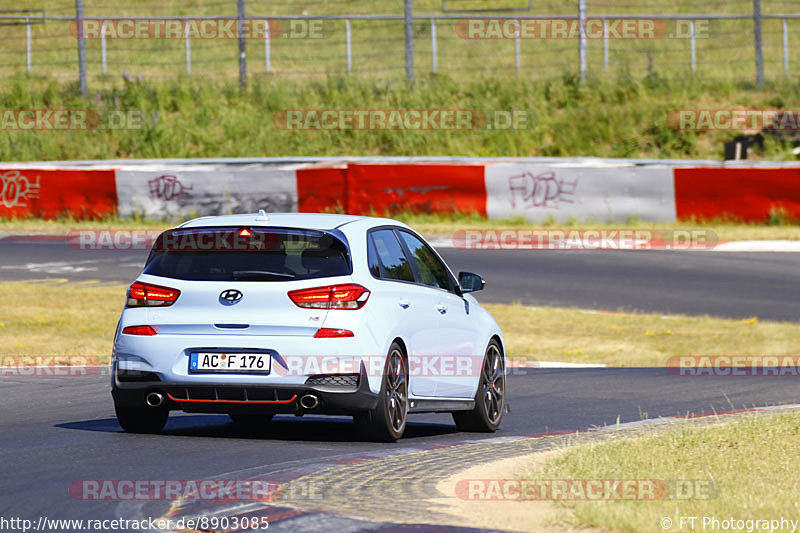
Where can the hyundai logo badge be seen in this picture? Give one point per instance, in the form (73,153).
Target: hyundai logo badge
(230,297)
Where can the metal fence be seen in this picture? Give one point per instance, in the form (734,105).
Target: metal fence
(745,44)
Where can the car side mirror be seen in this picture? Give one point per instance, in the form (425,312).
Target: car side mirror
(470,282)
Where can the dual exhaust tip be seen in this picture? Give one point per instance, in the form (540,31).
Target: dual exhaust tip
(154,399)
(307,401)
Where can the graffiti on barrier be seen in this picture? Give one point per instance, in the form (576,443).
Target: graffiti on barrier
(169,188)
(543,190)
(16,189)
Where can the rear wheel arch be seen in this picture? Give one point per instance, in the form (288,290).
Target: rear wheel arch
(386,422)
(402,344)
(497,338)
(404,349)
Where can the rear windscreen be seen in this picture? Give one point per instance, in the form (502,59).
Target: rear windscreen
(248,254)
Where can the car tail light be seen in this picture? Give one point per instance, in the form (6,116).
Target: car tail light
(139,330)
(331,333)
(347,296)
(146,295)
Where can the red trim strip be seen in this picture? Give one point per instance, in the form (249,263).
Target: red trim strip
(293,398)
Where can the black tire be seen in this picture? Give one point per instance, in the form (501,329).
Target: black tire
(250,421)
(143,419)
(487,414)
(387,421)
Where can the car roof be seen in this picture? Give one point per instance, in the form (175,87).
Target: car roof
(318,221)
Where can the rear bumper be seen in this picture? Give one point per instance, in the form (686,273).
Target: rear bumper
(217,397)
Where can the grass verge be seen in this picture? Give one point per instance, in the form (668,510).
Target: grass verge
(57,317)
(567,117)
(626,339)
(775,228)
(444,224)
(750,460)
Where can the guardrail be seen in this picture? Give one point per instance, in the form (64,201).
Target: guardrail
(539,190)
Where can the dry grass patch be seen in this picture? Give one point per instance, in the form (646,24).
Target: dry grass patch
(750,460)
(633,339)
(59,318)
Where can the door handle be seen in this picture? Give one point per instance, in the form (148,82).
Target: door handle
(405,304)
(441,308)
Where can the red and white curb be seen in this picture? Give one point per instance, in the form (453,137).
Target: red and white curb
(757,246)
(438,241)
(765,246)
(511,363)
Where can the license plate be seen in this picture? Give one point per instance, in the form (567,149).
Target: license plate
(251,363)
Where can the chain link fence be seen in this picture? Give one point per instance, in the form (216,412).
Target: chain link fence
(739,40)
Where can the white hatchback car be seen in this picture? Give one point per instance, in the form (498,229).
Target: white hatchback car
(254,315)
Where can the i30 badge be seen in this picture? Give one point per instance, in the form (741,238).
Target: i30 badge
(230,297)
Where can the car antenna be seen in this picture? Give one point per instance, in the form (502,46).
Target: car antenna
(262,215)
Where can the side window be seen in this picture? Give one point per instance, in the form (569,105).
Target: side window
(431,269)
(395,264)
(372,258)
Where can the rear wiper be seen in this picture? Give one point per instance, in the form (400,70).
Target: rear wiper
(260,274)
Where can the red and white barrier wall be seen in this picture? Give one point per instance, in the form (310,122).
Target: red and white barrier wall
(538,191)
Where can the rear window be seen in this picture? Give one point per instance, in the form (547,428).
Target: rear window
(248,254)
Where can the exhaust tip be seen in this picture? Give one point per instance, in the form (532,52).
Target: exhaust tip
(309,401)
(154,399)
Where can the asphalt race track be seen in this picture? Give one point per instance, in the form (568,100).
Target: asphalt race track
(57,431)
(727,284)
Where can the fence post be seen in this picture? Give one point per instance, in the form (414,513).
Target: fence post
(605,45)
(785,48)
(434,55)
(81,48)
(693,45)
(582,39)
(407,16)
(267,51)
(517,38)
(758,42)
(103,44)
(348,45)
(242,49)
(28,43)
(188,47)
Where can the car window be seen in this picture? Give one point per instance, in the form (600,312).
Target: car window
(391,255)
(432,270)
(262,254)
(372,258)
